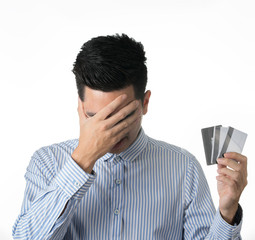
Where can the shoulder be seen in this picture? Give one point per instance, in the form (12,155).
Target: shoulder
(54,155)
(171,152)
(179,158)
(63,147)
(165,147)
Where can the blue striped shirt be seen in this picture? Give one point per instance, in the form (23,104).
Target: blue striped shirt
(152,190)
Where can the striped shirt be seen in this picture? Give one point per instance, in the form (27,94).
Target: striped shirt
(152,190)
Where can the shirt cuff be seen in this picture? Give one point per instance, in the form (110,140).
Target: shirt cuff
(73,180)
(224,230)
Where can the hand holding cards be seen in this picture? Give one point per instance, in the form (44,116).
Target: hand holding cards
(219,140)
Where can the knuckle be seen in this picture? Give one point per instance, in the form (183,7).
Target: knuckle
(232,184)
(236,155)
(224,161)
(112,108)
(237,177)
(227,161)
(237,167)
(103,127)
(108,134)
(246,183)
(135,104)
(125,124)
(122,115)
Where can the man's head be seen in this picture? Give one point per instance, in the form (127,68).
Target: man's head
(106,68)
(110,63)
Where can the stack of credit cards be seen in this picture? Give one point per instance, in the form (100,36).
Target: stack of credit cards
(219,140)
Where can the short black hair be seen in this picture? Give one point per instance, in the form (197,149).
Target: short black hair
(109,63)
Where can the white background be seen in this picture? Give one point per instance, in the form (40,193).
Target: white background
(201,58)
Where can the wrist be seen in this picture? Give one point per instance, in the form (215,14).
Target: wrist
(229,214)
(84,161)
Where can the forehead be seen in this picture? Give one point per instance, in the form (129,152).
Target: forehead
(95,100)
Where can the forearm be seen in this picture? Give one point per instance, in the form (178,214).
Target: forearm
(48,214)
(39,220)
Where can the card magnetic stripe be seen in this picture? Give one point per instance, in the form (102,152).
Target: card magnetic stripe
(227,140)
(216,144)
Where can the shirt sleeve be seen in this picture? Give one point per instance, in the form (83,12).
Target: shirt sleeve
(51,197)
(201,220)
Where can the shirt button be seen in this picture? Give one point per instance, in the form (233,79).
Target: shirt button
(118,181)
(77,184)
(116,211)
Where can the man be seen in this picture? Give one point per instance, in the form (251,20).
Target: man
(115,182)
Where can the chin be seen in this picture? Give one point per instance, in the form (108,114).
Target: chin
(121,146)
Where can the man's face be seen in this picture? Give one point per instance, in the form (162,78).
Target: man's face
(95,100)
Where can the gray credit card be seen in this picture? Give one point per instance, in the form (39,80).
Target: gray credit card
(208,141)
(218,140)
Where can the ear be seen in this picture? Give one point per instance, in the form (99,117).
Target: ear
(146,101)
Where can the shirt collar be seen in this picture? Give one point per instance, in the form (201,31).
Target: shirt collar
(131,153)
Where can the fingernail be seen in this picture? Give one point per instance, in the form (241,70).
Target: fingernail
(124,96)
(219,160)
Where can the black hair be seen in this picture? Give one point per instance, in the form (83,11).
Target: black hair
(109,63)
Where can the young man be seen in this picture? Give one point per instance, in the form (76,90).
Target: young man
(115,182)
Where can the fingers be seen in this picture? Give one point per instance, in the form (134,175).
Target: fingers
(226,162)
(80,111)
(232,178)
(111,107)
(121,129)
(229,173)
(121,132)
(235,161)
(234,168)
(236,156)
(123,114)
(224,179)
(128,122)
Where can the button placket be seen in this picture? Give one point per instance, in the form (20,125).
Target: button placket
(117,192)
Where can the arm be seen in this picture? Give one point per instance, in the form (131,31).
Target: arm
(200,219)
(52,195)
(46,195)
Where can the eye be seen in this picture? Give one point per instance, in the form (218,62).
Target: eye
(89,115)
(129,115)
